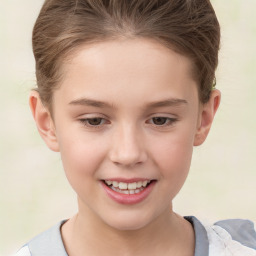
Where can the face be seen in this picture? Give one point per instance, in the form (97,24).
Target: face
(125,119)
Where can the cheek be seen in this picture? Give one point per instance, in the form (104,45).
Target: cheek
(173,162)
(173,154)
(81,157)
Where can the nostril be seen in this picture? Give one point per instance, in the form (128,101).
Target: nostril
(128,160)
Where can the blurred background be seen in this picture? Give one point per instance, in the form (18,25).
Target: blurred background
(34,193)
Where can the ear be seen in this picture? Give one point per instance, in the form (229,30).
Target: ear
(44,121)
(206,117)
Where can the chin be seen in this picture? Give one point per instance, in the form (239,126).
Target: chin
(128,221)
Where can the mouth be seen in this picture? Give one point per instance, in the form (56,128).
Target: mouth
(128,192)
(128,188)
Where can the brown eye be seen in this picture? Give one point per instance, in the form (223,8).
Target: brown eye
(160,120)
(95,121)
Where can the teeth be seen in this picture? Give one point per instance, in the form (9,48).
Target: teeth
(132,187)
(123,185)
(144,183)
(127,192)
(115,184)
(139,184)
(109,182)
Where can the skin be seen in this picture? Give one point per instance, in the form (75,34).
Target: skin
(125,84)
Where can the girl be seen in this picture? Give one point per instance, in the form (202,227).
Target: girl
(126,89)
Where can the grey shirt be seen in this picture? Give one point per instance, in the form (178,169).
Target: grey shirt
(49,243)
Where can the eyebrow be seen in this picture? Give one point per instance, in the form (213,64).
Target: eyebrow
(175,102)
(90,102)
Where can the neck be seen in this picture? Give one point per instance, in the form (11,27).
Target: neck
(87,235)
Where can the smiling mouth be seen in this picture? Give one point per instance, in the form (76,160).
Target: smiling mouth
(128,188)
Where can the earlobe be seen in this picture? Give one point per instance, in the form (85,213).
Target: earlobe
(44,122)
(206,117)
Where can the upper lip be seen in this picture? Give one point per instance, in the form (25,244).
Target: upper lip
(125,180)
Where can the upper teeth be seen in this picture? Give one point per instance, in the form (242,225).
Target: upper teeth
(124,185)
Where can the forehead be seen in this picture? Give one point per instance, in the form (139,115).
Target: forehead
(127,67)
(148,53)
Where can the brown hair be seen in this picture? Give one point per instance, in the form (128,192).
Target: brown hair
(189,27)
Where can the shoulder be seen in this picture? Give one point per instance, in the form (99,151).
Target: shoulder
(232,237)
(48,242)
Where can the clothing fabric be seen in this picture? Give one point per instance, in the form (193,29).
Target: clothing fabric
(224,238)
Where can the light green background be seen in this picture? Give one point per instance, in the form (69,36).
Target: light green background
(34,193)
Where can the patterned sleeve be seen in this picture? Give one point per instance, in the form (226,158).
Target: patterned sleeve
(240,230)
(24,251)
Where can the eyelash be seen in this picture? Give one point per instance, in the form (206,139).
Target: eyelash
(168,121)
(86,122)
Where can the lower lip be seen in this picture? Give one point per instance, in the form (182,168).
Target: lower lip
(128,199)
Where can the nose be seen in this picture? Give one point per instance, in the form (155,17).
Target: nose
(127,147)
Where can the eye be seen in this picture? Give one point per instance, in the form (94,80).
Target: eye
(162,121)
(159,120)
(95,121)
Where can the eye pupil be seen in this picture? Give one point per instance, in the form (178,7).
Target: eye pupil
(159,120)
(95,121)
